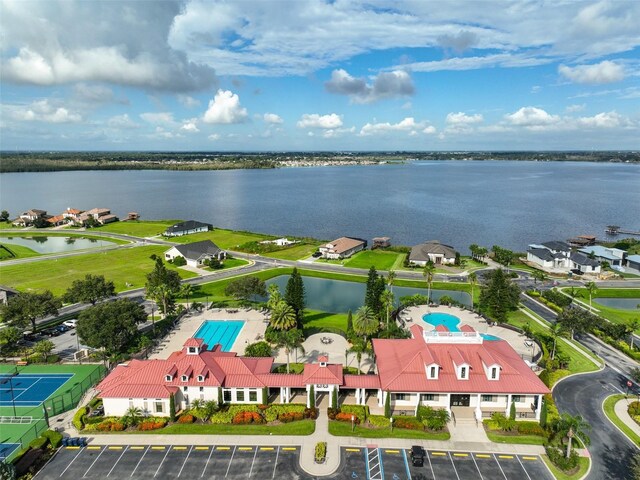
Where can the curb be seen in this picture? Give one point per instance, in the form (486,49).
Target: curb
(611,422)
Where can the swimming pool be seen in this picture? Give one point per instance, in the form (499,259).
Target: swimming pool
(451,322)
(223,332)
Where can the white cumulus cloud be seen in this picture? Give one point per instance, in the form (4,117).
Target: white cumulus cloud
(462,118)
(314,120)
(42,111)
(397,83)
(408,125)
(596,74)
(225,108)
(122,121)
(531,117)
(190,126)
(272,119)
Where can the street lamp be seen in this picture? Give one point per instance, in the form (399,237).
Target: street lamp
(353,422)
(391,423)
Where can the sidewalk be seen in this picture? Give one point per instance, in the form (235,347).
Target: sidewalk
(620,410)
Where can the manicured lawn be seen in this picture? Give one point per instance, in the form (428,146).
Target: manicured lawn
(381,259)
(295,252)
(316,320)
(615,315)
(229,263)
(516,439)
(301,427)
(138,228)
(583,466)
(227,239)
(343,429)
(123,266)
(608,406)
(18,251)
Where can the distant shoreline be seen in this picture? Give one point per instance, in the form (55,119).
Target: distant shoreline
(189,161)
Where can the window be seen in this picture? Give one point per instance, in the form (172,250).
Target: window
(428,397)
(192,350)
(488,398)
(227,395)
(463,372)
(184,378)
(253,396)
(184,389)
(240,395)
(200,378)
(202,389)
(494,373)
(158,406)
(400,396)
(168,378)
(516,398)
(433,372)
(131,403)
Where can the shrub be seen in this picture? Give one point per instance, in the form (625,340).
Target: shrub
(410,423)
(360,411)
(290,417)
(531,428)
(321,451)
(258,349)
(378,421)
(95,403)
(274,411)
(186,418)
(311,413)
(39,442)
(179,261)
(117,427)
(332,412)
(78,418)
(503,423)
(346,417)
(245,418)
(92,420)
(558,458)
(152,424)
(634,408)
(55,438)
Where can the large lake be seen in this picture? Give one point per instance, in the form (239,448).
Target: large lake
(457,202)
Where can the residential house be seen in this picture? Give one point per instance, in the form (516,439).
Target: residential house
(72,215)
(557,256)
(584,263)
(614,256)
(57,221)
(6,293)
(457,371)
(432,251)
(280,242)
(187,228)
(633,264)
(133,216)
(342,247)
(100,215)
(27,218)
(197,253)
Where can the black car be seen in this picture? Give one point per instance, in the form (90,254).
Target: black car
(417,456)
(316,254)
(52,332)
(575,271)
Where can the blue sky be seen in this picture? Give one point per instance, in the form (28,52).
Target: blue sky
(320,75)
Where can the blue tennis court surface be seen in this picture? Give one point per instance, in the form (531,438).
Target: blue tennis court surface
(6,449)
(223,332)
(30,389)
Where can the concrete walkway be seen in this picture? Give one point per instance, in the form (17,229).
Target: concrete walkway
(621,412)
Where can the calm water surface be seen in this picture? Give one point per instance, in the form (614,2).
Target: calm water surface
(507,203)
(621,303)
(340,296)
(54,244)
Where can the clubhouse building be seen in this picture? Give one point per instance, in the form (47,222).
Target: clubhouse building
(462,372)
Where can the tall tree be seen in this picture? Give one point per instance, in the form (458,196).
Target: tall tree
(388,299)
(428,272)
(111,325)
(359,347)
(570,427)
(44,348)
(366,322)
(89,290)
(576,320)
(186,289)
(25,308)
(283,316)
(275,297)
(556,330)
(294,294)
(391,278)
(9,337)
(162,285)
(499,295)
(502,255)
(290,340)
(246,287)
(4,216)
(592,289)
(374,288)
(473,281)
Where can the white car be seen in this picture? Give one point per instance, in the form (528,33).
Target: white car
(70,323)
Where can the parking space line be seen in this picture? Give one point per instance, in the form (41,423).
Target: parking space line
(114,465)
(185,460)
(207,464)
(230,460)
(482,455)
(267,449)
(529,458)
(500,467)
(293,449)
(460,454)
(163,459)
(454,466)
(525,470)
(477,468)
(157,448)
(73,448)
(74,459)
(275,464)
(406,463)
(505,456)
(254,459)
(93,447)
(115,447)
(179,448)
(134,470)
(96,459)
(202,448)
(392,451)
(136,448)
(346,449)
(245,448)
(431,467)
(223,448)
(440,454)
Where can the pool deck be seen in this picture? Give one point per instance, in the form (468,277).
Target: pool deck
(515,339)
(252,331)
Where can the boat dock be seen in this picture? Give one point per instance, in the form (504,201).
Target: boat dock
(616,230)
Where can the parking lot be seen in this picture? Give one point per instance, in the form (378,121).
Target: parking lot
(282,462)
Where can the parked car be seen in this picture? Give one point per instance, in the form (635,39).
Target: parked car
(62,328)
(51,332)
(417,456)
(30,336)
(575,271)
(316,254)
(70,323)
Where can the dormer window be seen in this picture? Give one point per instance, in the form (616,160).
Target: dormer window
(192,350)
(494,373)
(432,372)
(463,373)
(184,378)
(168,378)
(201,378)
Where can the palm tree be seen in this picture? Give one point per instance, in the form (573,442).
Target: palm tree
(632,326)
(283,316)
(388,299)
(391,276)
(359,347)
(557,330)
(275,296)
(132,416)
(210,407)
(428,272)
(365,323)
(592,288)
(186,290)
(473,280)
(571,427)
(290,340)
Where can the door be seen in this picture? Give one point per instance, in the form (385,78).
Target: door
(460,400)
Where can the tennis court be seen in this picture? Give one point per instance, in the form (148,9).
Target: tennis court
(30,389)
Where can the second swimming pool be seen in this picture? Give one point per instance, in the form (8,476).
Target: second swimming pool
(223,332)
(451,322)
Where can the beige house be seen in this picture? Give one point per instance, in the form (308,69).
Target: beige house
(434,251)
(343,247)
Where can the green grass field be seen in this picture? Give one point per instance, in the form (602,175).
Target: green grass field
(343,429)
(608,407)
(381,259)
(314,319)
(302,427)
(139,228)
(295,252)
(123,266)
(227,239)
(9,251)
(614,315)
(497,437)
(229,263)
(583,466)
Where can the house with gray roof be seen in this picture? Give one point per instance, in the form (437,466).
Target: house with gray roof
(434,251)
(557,257)
(633,264)
(197,253)
(187,228)
(614,256)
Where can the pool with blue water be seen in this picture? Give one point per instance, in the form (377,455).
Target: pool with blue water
(451,322)
(223,332)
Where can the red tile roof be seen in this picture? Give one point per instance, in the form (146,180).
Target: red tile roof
(466,328)
(361,381)
(194,342)
(318,375)
(282,380)
(441,328)
(323,359)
